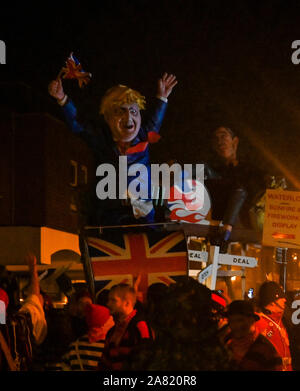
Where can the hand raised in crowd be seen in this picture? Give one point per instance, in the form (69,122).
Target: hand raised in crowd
(56,90)
(166,84)
(34,287)
(31,260)
(136,282)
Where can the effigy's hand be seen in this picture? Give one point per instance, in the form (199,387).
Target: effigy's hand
(56,90)
(166,84)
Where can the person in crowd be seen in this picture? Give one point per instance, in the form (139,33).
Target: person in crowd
(4,300)
(76,310)
(220,303)
(250,350)
(34,302)
(154,306)
(26,325)
(6,359)
(272,302)
(123,134)
(84,354)
(18,345)
(188,332)
(9,283)
(59,336)
(16,338)
(233,184)
(65,326)
(102,297)
(131,331)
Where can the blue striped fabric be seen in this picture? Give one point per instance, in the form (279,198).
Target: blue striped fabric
(89,355)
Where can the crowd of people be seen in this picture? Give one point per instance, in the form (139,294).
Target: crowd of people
(183,326)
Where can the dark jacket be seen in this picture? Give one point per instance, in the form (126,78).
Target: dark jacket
(117,356)
(261,356)
(234,190)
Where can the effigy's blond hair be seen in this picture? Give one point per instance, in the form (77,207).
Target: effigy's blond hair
(119,95)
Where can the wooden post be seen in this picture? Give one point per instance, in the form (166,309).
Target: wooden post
(213,257)
(243,277)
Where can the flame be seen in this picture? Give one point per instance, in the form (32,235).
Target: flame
(190,206)
(193,199)
(190,217)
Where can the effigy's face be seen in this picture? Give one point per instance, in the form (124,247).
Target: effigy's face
(125,122)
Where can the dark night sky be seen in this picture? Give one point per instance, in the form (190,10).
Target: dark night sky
(232,60)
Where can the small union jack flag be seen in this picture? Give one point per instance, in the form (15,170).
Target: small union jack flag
(73,70)
(155,257)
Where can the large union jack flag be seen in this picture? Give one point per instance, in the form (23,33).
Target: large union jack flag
(155,257)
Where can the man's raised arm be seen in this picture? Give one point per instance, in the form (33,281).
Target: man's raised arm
(55,89)
(155,115)
(165,86)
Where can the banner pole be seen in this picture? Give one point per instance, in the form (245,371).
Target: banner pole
(214,256)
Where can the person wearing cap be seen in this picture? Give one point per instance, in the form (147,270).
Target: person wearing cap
(250,350)
(76,309)
(233,184)
(272,302)
(84,354)
(123,133)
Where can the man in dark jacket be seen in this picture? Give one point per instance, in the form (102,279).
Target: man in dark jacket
(130,332)
(232,184)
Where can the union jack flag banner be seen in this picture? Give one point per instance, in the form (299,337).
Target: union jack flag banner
(119,258)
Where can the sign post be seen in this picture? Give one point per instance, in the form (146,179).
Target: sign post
(281,259)
(214,255)
(2,312)
(282,226)
(216,259)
